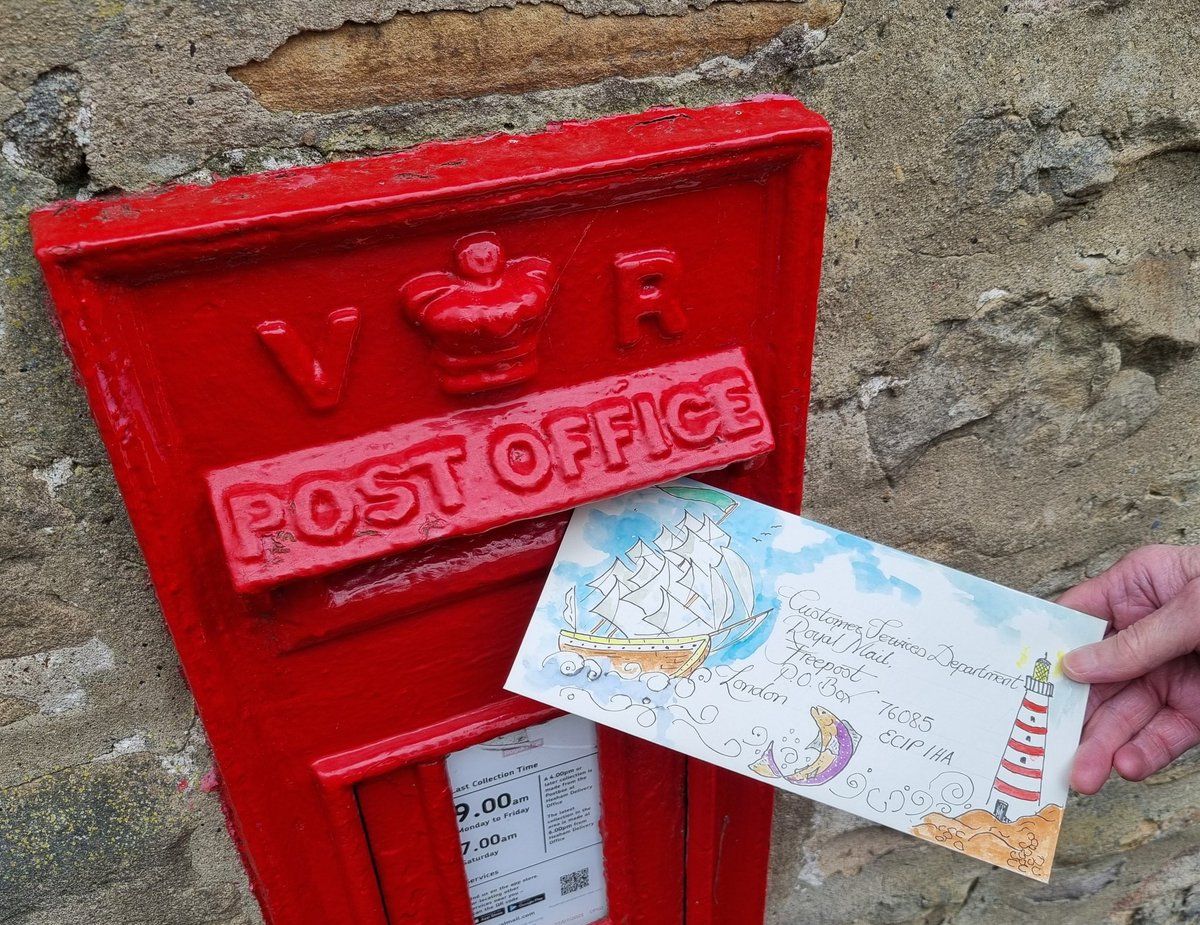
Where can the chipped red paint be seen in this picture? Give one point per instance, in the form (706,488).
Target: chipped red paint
(342,403)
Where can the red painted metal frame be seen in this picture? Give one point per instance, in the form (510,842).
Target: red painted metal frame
(268,315)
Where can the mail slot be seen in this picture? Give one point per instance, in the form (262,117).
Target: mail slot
(350,408)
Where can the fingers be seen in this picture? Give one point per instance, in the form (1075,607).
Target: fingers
(1171,631)
(1137,585)
(1167,736)
(1091,769)
(1100,694)
(1113,724)
(1172,731)
(1152,599)
(1093,596)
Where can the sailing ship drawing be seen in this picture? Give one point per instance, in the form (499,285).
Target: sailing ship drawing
(668,603)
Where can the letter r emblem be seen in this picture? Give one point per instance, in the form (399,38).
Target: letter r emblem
(647,288)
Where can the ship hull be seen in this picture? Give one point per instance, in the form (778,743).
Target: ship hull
(674,656)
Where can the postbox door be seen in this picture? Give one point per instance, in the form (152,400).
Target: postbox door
(390,797)
(347,406)
(418,856)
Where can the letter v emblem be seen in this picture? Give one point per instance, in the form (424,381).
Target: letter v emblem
(318,375)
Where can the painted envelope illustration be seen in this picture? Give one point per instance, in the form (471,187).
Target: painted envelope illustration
(905,692)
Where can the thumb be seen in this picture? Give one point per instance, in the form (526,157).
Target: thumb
(1167,633)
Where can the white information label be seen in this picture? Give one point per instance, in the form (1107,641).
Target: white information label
(528,807)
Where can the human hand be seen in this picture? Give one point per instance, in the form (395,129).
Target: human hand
(1144,707)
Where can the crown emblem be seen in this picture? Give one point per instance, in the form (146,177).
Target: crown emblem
(484,318)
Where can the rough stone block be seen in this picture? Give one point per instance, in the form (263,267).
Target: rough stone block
(428,56)
(76,830)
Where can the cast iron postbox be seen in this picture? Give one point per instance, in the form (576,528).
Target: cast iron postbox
(348,407)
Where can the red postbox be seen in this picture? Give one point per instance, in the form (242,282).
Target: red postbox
(349,406)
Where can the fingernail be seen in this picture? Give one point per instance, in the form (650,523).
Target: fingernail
(1079,663)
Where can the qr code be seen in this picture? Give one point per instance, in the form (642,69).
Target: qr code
(570,883)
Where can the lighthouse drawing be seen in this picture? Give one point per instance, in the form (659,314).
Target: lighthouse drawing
(1018,832)
(1018,784)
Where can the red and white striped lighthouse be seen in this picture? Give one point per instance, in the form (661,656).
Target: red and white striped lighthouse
(1018,784)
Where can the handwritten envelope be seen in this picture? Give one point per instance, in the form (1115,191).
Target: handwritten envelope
(905,692)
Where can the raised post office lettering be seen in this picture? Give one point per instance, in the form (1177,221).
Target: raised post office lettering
(437,459)
(324,510)
(730,392)
(652,429)
(520,457)
(614,426)
(690,415)
(254,512)
(390,499)
(390,490)
(569,433)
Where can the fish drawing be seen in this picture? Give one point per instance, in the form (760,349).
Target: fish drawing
(836,742)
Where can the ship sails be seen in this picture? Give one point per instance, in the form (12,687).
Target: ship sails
(686,582)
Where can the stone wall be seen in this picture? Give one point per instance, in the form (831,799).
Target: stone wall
(1006,376)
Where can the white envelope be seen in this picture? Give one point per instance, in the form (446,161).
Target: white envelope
(910,694)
